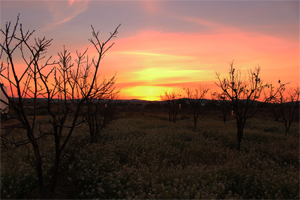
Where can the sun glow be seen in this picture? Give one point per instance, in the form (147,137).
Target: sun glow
(153,74)
(149,93)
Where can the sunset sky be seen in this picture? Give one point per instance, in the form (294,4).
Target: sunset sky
(168,45)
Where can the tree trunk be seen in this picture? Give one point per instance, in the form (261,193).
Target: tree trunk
(38,163)
(276,117)
(287,130)
(55,174)
(174,118)
(224,116)
(92,139)
(239,141)
(239,136)
(54,178)
(286,126)
(195,124)
(39,169)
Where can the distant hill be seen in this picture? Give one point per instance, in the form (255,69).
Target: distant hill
(136,101)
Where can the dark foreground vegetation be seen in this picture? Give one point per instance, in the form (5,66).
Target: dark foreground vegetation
(142,155)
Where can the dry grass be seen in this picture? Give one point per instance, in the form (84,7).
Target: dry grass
(145,156)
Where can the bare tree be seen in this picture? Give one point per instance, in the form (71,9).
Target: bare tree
(274,108)
(247,96)
(289,106)
(99,111)
(195,98)
(223,101)
(173,106)
(63,86)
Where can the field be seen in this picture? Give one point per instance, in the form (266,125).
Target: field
(142,155)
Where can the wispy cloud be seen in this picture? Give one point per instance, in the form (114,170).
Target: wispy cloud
(63,12)
(151,7)
(199,21)
(154,74)
(165,56)
(71,2)
(209,26)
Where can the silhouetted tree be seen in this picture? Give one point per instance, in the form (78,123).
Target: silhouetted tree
(173,106)
(195,98)
(274,108)
(64,86)
(289,106)
(99,111)
(245,95)
(224,103)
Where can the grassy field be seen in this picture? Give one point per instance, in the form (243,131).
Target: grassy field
(145,156)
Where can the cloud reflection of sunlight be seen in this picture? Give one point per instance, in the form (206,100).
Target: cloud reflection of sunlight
(150,93)
(157,74)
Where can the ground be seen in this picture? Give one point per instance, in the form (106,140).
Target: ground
(142,155)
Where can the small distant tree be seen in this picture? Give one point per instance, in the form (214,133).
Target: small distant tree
(65,87)
(274,109)
(247,96)
(99,110)
(173,107)
(288,106)
(224,102)
(195,98)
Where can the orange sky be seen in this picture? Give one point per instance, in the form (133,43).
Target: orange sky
(158,61)
(168,45)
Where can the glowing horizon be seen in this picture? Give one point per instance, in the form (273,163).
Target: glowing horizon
(168,45)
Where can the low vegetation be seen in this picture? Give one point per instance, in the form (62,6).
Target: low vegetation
(144,156)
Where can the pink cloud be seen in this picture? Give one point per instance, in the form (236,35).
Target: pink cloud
(151,7)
